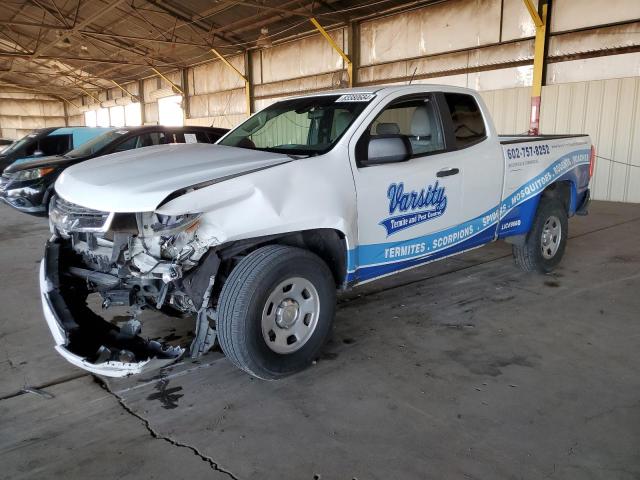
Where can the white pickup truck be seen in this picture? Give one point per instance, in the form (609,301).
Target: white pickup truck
(253,236)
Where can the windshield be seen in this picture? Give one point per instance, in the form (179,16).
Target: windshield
(21,143)
(302,126)
(96,144)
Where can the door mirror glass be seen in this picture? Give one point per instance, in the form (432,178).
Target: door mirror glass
(387,149)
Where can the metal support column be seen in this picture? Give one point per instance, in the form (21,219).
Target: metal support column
(66,114)
(538,63)
(175,87)
(335,46)
(185,97)
(141,97)
(91,95)
(247,83)
(354,50)
(133,97)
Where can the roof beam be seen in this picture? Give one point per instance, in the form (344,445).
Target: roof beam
(190,18)
(49,26)
(87,21)
(29,56)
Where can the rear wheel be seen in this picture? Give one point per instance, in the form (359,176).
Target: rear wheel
(547,239)
(275,311)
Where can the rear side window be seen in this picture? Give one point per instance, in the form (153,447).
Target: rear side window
(127,144)
(153,138)
(187,137)
(55,144)
(468,124)
(201,137)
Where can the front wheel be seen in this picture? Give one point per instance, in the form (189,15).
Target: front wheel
(275,311)
(547,239)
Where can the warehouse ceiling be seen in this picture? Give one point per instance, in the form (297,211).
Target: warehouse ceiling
(65,47)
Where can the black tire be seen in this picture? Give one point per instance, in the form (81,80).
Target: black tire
(243,299)
(529,256)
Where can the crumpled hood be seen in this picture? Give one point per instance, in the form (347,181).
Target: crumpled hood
(138,180)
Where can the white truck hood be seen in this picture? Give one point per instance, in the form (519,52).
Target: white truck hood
(138,180)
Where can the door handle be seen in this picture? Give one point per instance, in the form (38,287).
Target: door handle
(447,172)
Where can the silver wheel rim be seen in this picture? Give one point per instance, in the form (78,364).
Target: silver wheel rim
(551,237)
(290,315)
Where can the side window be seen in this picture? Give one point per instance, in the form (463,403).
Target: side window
(128,144)
(415,119)
(200,137)
(159,138)
(29,149)
(193,137)
(175,137)
(468,124)
(55,144)
(152,138)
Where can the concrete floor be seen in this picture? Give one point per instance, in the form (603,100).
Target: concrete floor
(465,369)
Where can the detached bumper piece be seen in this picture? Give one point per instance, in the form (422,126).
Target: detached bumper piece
(84,338)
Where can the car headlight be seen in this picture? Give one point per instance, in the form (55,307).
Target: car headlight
(170,224)
(33,173)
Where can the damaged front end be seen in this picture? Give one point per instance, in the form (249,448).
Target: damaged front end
(134,260)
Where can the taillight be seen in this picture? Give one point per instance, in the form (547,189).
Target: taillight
(592,161)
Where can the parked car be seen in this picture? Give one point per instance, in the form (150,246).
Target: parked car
(47,141)
(4,144)
(254,235)
(27,186)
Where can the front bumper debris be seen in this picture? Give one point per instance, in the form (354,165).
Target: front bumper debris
(87,340)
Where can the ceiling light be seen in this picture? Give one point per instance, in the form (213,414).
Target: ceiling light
(264,41)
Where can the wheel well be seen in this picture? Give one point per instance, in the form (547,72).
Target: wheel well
(330,245)
(563,191)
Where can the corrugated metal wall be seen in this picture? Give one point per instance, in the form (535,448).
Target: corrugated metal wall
(486,45)
(22,113)
(608,110)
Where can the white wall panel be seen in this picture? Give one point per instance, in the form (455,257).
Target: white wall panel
(571,14)
(516,21)
(216,76)
(487,80)
(452,25)
(76,121)
(618,36)
(304,57)
(151,113)
(608,110)
(19,116)
(509,109)
(599,68)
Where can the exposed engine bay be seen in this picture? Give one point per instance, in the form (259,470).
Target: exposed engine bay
(133,260)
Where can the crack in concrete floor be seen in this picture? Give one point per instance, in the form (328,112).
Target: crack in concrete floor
(154,434)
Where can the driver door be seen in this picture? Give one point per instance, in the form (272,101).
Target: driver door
(401,205)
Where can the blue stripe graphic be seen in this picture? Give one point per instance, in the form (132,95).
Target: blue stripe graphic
(391,256)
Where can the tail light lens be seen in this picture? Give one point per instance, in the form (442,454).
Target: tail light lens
(592,161)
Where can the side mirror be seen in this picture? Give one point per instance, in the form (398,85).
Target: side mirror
(387,149)
(38,153)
